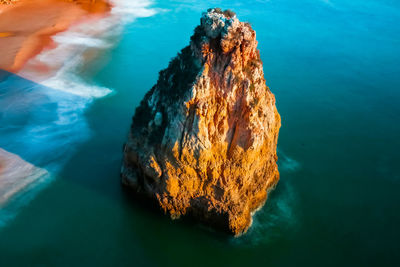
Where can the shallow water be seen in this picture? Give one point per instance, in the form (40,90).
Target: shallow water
(334,68)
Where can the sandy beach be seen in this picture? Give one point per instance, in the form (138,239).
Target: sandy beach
(26,26)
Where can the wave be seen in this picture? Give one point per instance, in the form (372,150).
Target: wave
(42,108)
(16,176)
(68,57)
(278,215)
(287,164)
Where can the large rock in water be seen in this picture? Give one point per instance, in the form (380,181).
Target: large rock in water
(203,140)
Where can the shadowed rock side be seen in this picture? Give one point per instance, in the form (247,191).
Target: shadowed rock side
(203,140)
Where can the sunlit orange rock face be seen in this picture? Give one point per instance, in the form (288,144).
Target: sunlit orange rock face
(203,140)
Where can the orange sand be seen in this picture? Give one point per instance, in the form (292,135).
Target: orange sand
(26,27)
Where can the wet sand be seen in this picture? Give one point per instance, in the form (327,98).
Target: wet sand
(15,175)
(26,30)
(27,26)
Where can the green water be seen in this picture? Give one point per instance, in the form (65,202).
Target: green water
(334,69)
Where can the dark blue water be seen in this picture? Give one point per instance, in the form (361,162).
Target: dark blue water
(334,69)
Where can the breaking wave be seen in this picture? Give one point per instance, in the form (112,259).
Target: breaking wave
(278,215)
(67,59)
(42,112)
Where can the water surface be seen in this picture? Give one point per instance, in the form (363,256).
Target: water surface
(334,69)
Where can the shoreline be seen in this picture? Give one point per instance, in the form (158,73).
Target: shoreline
(54,41)
(27,26)
(28,31)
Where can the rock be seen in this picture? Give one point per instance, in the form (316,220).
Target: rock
(203,140)
(158,119)
(8,2)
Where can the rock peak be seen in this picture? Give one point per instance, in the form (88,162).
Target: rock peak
(203,140)
(215,22)
(221,36)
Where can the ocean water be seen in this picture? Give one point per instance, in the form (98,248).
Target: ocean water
(334,69)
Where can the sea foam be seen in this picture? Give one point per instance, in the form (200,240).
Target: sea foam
(68,57)
(278,214)
(43,124)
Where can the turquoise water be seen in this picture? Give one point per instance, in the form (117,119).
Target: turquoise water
(334,69)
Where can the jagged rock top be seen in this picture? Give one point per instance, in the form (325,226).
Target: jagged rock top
(216,22)
(203,140)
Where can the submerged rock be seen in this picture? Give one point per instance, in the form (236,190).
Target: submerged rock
(203,140)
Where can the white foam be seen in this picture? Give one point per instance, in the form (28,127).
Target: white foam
(276,217)
(130,10)
(68,57)
(278,214)
(287,164)
(42,137)
(77,39)
(73,84)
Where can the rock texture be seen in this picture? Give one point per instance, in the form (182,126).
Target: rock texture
(7,2)
(203,140)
